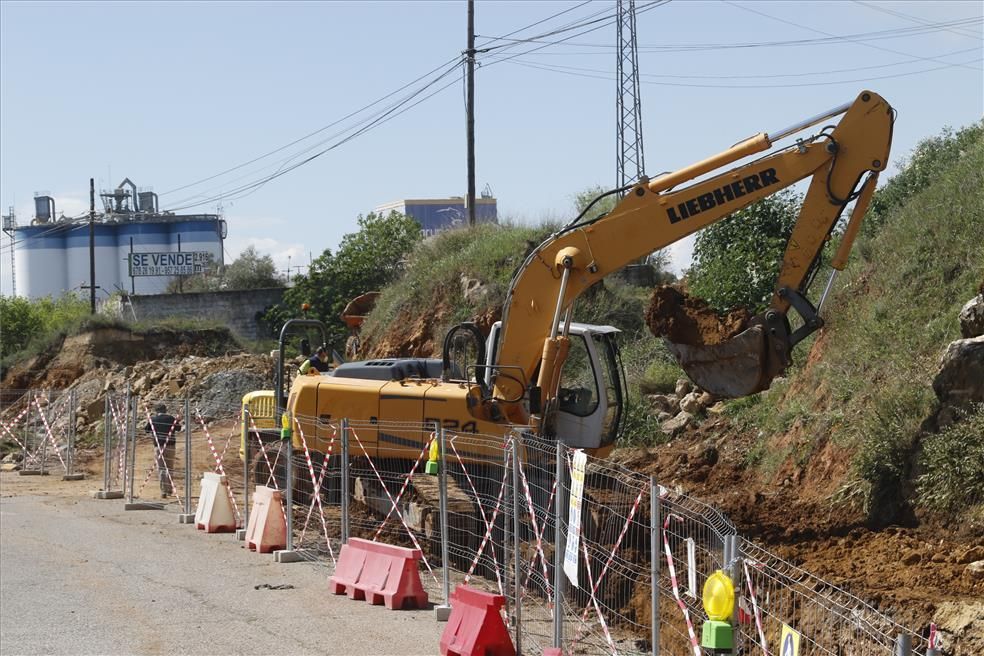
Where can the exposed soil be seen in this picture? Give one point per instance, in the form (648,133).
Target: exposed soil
(684,319)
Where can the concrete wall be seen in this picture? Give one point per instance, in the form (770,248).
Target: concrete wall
(239,310)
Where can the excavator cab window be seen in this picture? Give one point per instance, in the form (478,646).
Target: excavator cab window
(614,383)
(578,393)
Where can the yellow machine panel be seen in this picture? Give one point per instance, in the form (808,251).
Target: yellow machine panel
(334,399)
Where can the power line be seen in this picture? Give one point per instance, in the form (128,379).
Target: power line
(813,29)
(282,165)
(311,134)
(914,19)
(751,76)
(610,76)
(257,184)
(878,35)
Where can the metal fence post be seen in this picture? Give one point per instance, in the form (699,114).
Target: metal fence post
(44,440)
(345,480)
(241,533)
(903,645)
(655,511)
(132,441)
(188,517)
(517,591)
(27,432)
(70,452)
(107,442)
(506,524)
(443,611)
(289,488)
(559,548)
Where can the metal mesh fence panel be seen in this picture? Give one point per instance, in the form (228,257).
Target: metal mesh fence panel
(116,421)
(157,454)
(827,619)
(215,436)
(41,423)
(315,524)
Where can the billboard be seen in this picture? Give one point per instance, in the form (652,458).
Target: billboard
(169,264)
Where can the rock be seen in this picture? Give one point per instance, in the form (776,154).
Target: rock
(7,458)
(473,289)
(960,380)
(707,399)
(663,416)
(678,423)
(911,558)
(971,555)
(691,403)
(140,385)
(10,466)
(717,409)
(664,402)
(976,569)
(173,388)
(972,317)
(683,387)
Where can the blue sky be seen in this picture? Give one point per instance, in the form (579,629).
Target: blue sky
(170,93)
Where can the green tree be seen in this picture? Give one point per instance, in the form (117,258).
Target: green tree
(366,260)
(251,271)
(737,260)
(25,321)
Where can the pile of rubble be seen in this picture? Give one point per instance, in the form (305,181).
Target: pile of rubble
(680,410)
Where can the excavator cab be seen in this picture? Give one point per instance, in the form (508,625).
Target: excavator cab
(590,408)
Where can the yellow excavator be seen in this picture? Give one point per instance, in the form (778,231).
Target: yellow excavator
(558,379)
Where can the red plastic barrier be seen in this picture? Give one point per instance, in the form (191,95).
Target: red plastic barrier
(475,627)
(379,573)
(553,651)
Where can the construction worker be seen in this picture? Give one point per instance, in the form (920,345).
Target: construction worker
(317,362)
(163,429)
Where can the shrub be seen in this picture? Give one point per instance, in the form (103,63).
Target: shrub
(953,464)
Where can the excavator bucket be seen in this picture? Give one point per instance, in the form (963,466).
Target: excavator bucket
(742,365)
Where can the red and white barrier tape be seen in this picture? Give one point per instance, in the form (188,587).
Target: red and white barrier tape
(316,493)
(218,463)
(488,531)
(755,610)
(49,436)
(594,602)
(537,533)
(321,478)
(271,478)
(612,554)
(406,485)
(13,423)
(158,451)
(676,588)
(485,520)
(399,515)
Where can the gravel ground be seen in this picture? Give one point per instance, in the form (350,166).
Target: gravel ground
(82,576)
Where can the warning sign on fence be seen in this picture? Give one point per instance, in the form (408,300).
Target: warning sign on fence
(789,642)
(574,516)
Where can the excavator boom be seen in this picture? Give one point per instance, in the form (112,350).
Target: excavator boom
(656,213)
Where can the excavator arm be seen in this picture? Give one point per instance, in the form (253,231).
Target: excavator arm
(654,214)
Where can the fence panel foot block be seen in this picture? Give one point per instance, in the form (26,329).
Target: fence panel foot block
(143,505)
(107,494)
(215,513)
(379,573)
(73,477)
(476,627)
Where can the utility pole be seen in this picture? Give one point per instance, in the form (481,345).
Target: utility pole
(10,227)
(92,245)
(470,53)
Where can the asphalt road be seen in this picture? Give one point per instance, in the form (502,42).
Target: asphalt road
(82,576)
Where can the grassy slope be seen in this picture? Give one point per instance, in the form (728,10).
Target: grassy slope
(869,387)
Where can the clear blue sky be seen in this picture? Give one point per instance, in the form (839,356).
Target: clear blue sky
(167,93)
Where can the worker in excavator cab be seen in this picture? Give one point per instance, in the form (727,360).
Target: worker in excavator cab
(317,363)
